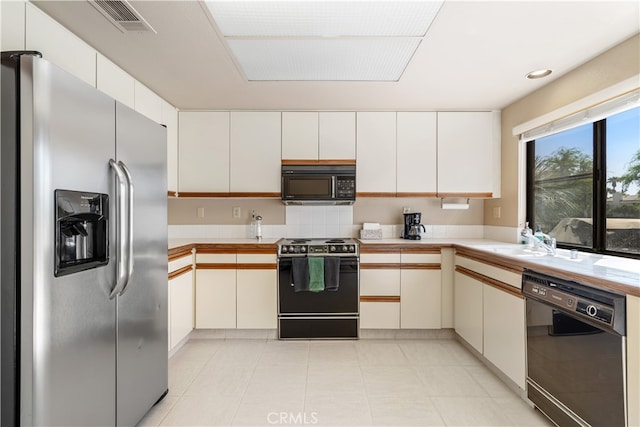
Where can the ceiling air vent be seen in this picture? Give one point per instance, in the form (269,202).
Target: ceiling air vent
(121,14)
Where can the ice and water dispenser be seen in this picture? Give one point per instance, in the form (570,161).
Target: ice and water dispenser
(82,231)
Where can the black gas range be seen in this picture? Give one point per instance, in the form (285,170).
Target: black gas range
(331,313)
(318,247)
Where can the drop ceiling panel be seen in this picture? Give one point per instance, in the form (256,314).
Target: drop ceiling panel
(323,18)
(343,59)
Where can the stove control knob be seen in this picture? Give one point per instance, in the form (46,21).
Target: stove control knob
(292,249)
(332,248)
(345,248)
(303,249)
(283,249)
(592,310)
(352,249)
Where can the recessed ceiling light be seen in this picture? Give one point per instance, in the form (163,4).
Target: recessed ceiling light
(538,74)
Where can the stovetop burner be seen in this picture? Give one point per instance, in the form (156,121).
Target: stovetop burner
(335,241)
(299,241)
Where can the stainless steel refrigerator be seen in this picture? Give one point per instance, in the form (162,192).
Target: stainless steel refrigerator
(83,252)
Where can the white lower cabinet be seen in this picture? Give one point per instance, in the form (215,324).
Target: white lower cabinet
(215,298)
(379,314)
(180,307)
(379,292)
(420,299)
(467,309)
(504,332)
(257,303)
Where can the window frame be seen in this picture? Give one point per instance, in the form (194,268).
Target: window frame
(599,180)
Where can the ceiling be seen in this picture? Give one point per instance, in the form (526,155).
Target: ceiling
(475,55)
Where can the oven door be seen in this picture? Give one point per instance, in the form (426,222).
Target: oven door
(571,364)
(340,302)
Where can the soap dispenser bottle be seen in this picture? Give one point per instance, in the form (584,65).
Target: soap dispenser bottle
(525,234)
(539,234)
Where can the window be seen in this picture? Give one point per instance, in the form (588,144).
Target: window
(583,185)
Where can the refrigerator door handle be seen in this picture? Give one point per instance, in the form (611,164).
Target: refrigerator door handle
(129,256)
(121,229)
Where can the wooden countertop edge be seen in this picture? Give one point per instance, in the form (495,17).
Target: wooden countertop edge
(180,272)
(407,248)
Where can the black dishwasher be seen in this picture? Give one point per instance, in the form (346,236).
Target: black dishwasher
(575,351)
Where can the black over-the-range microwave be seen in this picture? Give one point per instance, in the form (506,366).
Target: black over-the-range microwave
(318,184)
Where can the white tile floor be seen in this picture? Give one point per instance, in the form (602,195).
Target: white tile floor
(352,383)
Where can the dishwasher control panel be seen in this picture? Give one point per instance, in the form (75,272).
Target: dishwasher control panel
(602,307)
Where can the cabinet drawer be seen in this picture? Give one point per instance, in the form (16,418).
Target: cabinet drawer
(257,258)
(381,282)
(179,263)
(508,277)
(215,258)
(392,258)
(420,258)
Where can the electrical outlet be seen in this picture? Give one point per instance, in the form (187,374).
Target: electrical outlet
(406,209)
(496,212)
(200,212)
(236,212)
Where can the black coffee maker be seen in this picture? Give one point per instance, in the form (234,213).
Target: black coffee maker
(412,226)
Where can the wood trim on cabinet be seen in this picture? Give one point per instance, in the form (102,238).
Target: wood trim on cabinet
(177,255)
(379,266)
(379,298)
(180,249)
(466,195)
(374,194)
(197,194)
(172,193)
(211,250)
(378,248)
(490,281)
(489,259)
(180,272)
(305,162)
(214,266)
(419,266)
(256,266)
(416,194)
(257,250)
(427,250)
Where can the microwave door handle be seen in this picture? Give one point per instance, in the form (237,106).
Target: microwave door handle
(333,187)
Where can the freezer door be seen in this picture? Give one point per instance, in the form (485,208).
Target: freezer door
(142,306)
(67,323)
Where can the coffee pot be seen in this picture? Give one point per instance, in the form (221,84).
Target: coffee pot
(412,226)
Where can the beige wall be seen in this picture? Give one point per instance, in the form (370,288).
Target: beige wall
(617,64)
(381,210)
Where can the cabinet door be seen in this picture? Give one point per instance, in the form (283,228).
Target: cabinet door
(147,103)
(181,291)
(504,332)
(257,299)
(376,150)
(115,82)
(300,135)
(467,309)
(379,282)
(255,152)
(469,153)
(203,141)
(417,154)
(59,45)
(337,135)
(12,25)
(216,298)
(380,315)
(170,120)
(420,299)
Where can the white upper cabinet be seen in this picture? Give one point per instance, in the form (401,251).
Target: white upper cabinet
(170,120)
(12,25)
(255,152)
(417,152)
(146,102)
(337,135)
(376,152)
(300,135)
(115,82)
(469,153)
(204,152)
(59,45)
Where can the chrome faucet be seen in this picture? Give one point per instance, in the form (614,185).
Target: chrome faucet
(547,243)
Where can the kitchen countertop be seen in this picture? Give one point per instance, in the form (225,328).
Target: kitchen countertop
(609,272)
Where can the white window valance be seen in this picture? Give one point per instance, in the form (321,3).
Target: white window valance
(587,110)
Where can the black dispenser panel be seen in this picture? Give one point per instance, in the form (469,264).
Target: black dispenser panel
(82,230)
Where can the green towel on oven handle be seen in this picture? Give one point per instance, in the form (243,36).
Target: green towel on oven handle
(316,274)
